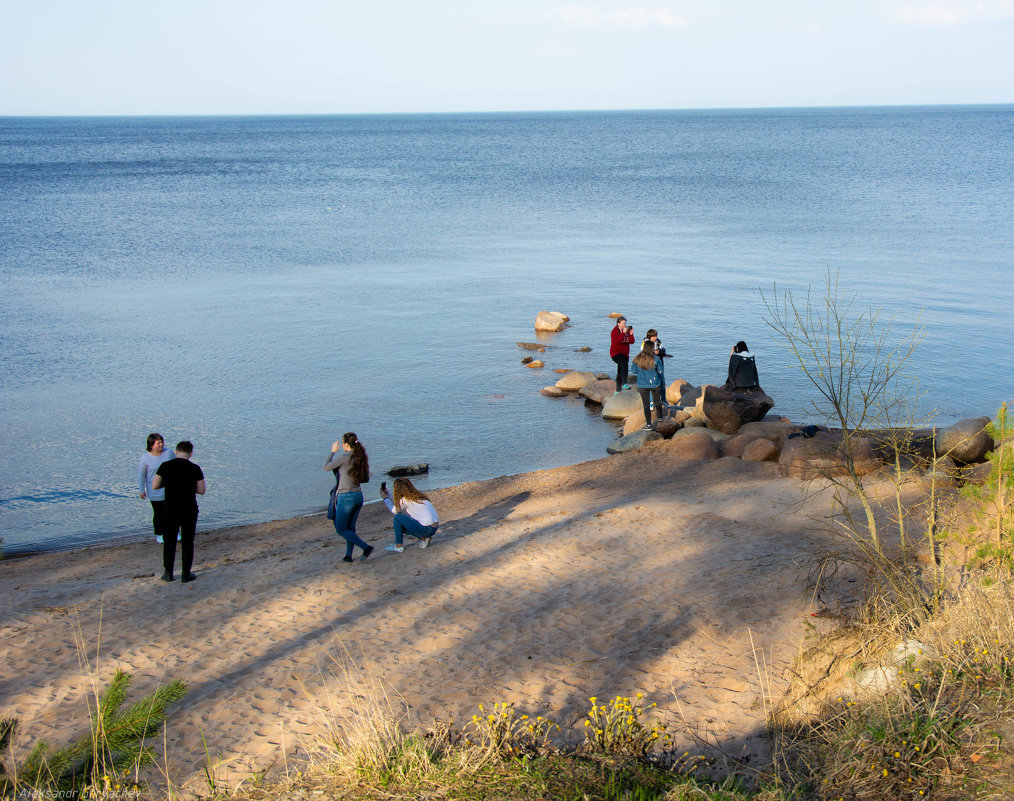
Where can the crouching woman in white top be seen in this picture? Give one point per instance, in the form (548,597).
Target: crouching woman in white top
(413,514)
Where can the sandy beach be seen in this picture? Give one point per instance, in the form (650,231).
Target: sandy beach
(636,573)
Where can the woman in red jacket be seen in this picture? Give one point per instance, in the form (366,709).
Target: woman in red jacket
(621,338)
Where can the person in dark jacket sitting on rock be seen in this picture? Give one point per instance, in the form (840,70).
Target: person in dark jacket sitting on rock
(649,379)
(742,369)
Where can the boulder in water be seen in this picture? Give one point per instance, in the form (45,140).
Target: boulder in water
(409,470)
(550,321)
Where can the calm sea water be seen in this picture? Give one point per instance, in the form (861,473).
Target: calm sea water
(261,285)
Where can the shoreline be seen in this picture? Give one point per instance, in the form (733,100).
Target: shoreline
(639,572)
(142,538)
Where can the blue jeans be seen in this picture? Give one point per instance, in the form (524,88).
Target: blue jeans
(347,506)
(406,524)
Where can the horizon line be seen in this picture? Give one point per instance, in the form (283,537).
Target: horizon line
(247,114)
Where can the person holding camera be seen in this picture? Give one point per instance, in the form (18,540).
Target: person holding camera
(621,338)
(413,514)
(652,334)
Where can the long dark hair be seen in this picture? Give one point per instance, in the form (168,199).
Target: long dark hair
(359,463)
(405,490)
(646,358)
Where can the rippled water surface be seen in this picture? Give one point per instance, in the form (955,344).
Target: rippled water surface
(261,285)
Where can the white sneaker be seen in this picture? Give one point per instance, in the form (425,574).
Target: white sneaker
(425,542)
(395,548)
(158,539)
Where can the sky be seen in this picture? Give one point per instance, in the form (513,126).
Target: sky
(140,57)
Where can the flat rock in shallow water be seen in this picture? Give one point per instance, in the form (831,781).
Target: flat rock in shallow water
(575,380)
(409,470)
(553,392)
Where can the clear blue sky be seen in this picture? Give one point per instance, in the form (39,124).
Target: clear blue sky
(363,56)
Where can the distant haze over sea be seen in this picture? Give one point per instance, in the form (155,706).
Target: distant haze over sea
(262,285)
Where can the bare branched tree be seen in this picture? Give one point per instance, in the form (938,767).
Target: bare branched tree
(863,390)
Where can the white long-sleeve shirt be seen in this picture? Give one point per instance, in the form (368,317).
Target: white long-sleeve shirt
(420,511)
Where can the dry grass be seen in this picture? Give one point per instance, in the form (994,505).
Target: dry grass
(934,717)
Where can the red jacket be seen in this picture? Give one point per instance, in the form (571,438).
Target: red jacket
(620,342)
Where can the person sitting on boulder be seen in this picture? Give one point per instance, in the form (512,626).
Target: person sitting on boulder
(742,369)
(413,513)
(649,380)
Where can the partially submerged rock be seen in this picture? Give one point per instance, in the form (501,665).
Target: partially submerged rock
(532,346)
(553,392)
(536,363)
(409,470)
(575,380)
(550,321)
(598,391)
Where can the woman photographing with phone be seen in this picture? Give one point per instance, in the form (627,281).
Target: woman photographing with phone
(351,467)
(413,514)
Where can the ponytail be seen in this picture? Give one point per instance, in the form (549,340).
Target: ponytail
(359,463)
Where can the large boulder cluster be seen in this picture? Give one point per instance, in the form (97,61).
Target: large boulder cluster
(711,422)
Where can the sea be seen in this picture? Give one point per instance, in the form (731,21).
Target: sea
(261,285)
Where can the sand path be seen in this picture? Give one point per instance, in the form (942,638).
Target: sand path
(637,573)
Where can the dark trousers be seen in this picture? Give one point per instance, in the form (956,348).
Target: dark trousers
(621,370)
(185,523)
(646,393)
(159,518)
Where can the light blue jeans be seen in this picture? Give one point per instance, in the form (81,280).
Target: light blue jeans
(406,524)
(346,512)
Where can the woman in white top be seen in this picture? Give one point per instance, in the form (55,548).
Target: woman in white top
(413,514)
